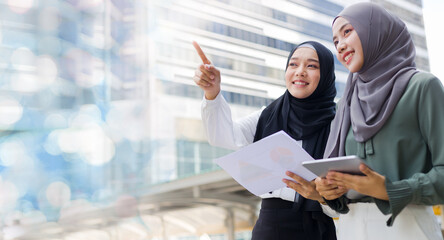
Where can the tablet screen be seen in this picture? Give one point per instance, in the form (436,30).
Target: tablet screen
(345,164)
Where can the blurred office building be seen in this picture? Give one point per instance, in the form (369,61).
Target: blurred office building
(101,136)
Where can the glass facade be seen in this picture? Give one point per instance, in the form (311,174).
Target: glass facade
(99,108)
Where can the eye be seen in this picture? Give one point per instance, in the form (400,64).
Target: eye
(312,66)
(335,43)
(347,31)
(292,64)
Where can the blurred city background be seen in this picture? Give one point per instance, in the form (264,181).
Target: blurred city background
(101,136)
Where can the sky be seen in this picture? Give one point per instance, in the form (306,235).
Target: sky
(434,19)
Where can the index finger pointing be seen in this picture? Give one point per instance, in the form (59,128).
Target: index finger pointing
(201,53)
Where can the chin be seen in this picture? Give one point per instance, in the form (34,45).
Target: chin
(353,70)
(294,94)
(298,95)
(349,68)
(354,67)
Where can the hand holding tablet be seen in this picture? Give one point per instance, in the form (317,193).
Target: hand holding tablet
(345,164)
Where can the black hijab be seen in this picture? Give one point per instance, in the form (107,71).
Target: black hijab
(308,120)
(305,119)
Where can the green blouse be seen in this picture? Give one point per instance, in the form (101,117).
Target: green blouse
(408,150)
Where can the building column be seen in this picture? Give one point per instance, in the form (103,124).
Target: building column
(229,223)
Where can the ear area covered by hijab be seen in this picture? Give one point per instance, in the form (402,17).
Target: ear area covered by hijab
(305,119)
(372,93)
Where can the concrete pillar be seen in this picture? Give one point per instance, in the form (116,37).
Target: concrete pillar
(442,219)
(229,223)
(164,233)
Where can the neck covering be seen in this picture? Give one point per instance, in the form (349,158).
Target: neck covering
(372,93)
(305,119)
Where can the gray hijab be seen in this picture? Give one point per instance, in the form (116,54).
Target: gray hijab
(371,94)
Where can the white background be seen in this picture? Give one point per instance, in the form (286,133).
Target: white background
(434,26)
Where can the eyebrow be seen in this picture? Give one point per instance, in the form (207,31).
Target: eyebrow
(340,29)
(310,59)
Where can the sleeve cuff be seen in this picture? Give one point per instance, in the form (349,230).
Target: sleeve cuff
(400,194)
(339,205)
(212,103)
(327,210)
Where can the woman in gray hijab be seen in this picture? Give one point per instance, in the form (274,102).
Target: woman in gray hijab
(391,116)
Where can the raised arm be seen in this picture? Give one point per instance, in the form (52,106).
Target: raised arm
(207,77)
(220,129)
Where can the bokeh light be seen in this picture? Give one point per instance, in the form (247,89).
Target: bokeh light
(12,152)
(58,155)
(51,145)
(48,19)
(128,121)
(36,73)
(10,110)
(85,69)
(88,4)
(9,196)
(20,6)
(55,121)
(58,194)
(25,82)
(91,143)
(46,70)
(23,58)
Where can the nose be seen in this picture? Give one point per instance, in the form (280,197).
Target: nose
(300,71)
(341,46)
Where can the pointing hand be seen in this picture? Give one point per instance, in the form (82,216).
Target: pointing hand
(206,76)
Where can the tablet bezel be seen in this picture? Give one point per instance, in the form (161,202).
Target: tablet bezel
(346,164)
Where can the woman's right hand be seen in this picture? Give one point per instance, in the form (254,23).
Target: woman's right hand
(207,76)
(328,191)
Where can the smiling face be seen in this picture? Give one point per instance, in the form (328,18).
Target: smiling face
(348,45)
(303,73)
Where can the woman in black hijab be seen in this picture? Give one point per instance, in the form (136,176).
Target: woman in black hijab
(304,112)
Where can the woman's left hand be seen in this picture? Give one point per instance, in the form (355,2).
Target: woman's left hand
(306,188)
(371,184)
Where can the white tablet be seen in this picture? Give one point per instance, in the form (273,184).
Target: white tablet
(345,164)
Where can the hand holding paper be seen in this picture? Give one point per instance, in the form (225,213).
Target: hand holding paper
(261,166)
(305,188)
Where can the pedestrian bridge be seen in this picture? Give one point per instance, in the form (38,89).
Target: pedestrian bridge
(199,205)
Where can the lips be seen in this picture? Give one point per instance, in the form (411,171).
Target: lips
(300,82)
(348,56)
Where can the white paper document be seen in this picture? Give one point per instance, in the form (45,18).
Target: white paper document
(261,166)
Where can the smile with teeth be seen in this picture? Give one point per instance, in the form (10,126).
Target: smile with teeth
(300,83)
(346,58)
